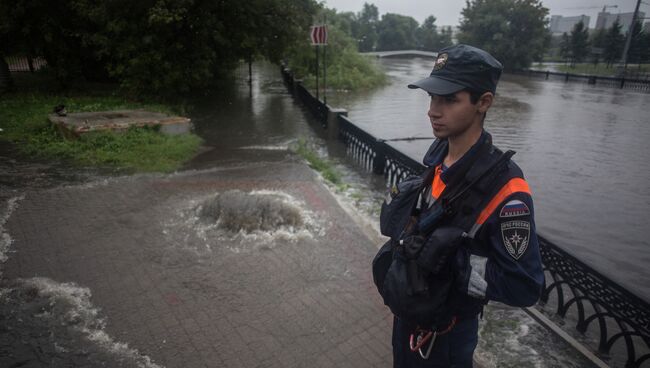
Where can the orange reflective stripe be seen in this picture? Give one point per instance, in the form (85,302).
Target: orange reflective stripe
(438,185)
(515,185)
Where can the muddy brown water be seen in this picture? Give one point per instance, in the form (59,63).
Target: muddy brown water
(584,150)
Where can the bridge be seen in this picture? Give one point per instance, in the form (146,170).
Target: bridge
(381,54)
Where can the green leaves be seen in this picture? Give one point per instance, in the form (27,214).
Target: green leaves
(152,47)
(513,31)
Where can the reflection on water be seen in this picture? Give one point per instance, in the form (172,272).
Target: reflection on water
(584,150)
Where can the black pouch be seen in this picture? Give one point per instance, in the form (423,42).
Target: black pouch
(426,307)
(397,209)
(441,244)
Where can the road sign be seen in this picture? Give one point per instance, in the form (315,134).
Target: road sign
(319,35)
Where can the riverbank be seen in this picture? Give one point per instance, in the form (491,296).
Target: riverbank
(601,70)
(24,124)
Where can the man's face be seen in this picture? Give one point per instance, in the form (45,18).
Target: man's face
(452,115)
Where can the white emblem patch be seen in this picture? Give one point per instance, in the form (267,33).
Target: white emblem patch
(441,61)
(516,236)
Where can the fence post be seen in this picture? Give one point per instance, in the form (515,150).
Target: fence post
(379,162)
(622,82)
(547,73)
(566,77)
(333,114)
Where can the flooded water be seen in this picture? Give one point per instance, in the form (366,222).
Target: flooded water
(584,151)
(570,178)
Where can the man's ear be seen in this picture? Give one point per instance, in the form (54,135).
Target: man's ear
(485,102)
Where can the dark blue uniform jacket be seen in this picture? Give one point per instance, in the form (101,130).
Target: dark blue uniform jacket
(504,257)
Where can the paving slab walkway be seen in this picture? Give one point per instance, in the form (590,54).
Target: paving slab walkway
(184,297)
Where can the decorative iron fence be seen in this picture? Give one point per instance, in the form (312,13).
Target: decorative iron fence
(25,64)
(629,83)
(594,297)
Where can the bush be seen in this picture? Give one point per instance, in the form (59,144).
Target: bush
(346,68)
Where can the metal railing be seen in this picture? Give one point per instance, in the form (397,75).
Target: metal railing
(616,82)
(25,64)
(574,284)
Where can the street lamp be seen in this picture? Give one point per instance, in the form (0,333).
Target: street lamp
(628,41)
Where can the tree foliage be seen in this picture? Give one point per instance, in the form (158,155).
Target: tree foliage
(397,32)
(154,46)
(565,47)
(346,68)
(597,42)
(366,31)
(579,43)
(639,44)
(429,38)
(514,31)
(614,43)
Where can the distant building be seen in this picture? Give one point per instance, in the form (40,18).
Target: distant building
(606,19)
(561,24)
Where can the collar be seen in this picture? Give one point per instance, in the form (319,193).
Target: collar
(438,151)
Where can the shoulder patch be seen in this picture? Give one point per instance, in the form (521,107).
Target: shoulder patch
(514,208)
(516,236)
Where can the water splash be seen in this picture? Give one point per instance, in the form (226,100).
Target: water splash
(5,238)
(241,221)
(58,314)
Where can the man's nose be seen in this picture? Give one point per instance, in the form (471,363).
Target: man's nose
(434,110)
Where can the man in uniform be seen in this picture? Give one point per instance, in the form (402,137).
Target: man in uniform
(503,264)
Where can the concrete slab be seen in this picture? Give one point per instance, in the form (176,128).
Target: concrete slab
(75,124)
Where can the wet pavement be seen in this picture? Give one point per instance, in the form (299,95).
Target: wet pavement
(138,260)
(138,271)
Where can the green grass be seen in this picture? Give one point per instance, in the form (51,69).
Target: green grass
(352,72)
(23,120)
(323,166)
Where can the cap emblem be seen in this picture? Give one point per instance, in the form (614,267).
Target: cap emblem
(441,61)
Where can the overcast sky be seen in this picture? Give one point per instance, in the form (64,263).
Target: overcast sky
(447,12)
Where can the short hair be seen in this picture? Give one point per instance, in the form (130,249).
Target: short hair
(474,95)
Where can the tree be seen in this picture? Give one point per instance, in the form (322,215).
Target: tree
(428,37)
(156,46)
(638,47)
(598,44)
(579,43)
(366,34)
(513,31)
(614,43)
(445,36)
(396,32)
(565,47)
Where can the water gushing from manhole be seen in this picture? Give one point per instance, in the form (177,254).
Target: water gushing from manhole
(236,211)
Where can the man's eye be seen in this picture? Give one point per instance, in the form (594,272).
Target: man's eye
(451,98)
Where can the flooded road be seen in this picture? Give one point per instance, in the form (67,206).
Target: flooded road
(246,130)
(584,151)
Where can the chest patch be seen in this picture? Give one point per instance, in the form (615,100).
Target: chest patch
(516,236)
(514,208)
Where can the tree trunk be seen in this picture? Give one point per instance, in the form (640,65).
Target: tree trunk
(6,83)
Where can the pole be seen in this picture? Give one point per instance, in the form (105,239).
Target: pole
(317,67)
(325,73)
(250,68)
(628,41)
(325,68)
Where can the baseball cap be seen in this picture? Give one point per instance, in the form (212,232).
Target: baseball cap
(459,67)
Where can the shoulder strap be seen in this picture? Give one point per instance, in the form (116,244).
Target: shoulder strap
(466,203)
